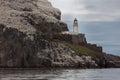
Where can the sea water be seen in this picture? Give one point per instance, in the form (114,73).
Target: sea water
(60,74)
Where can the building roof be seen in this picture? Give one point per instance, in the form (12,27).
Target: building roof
(75,19)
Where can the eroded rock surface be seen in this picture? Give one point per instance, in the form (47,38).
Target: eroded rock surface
(17,50)
(28,15)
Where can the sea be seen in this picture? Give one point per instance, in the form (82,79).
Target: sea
(60,74)
(105,34)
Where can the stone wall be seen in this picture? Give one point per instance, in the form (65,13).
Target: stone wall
(74,39)
(77,39)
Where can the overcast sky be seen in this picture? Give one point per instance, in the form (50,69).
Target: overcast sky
(89,10)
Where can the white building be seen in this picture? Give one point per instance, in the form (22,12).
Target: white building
(75,26)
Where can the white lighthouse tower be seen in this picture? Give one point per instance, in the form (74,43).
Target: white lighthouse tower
(75,26)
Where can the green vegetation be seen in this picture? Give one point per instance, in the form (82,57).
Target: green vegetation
(82,50)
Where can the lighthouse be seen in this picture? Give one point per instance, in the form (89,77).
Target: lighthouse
(75,26)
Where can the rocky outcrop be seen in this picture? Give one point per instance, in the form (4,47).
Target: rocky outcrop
(112,61)
(18,51)
(60,55)
(27,37)
(26,30)
(30,15)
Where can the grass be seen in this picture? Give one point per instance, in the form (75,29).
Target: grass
(81,49)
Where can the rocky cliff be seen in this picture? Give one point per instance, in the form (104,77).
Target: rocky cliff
(27,29)
(30,15)
(18,51)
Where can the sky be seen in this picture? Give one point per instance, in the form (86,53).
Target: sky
(89,10)
(98,19)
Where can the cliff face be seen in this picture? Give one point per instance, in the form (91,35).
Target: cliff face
(27,31)
(30,15)
(18,51)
